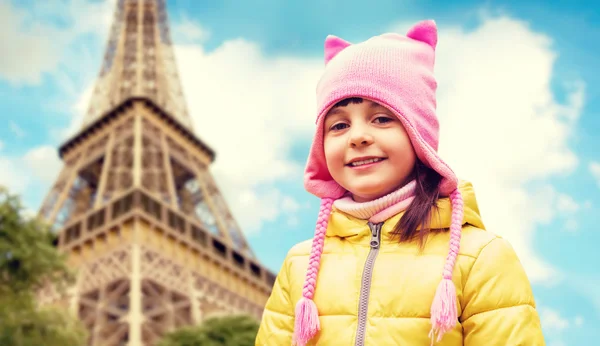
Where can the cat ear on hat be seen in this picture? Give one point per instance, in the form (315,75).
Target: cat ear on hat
(334,45)
(424,31)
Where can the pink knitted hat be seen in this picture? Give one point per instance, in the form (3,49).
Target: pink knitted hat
(397,72)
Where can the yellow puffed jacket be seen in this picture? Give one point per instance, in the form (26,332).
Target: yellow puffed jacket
(494,296)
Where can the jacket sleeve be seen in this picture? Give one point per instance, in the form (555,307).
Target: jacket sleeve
(277,323)
(499,307)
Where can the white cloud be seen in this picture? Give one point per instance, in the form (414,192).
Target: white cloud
(32,49)
(40,48)
(16,129)
(571,225)
(13,175)
(44,163)
(290,205)
(588,286)
(38,165)
(78,111)
(554,324)
(78,67)
(189,31)
(557,343)
(293,221)
(30,176)
(567,204)
(502,128)
(37,45)
(258,206)
(595,171)
(94,17)
(251,109)
(552,320)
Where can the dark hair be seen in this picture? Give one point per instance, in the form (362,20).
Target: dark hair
(419,212)
(347,101)
(421,209)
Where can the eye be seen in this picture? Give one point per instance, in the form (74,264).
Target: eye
(383,119)
(338,127)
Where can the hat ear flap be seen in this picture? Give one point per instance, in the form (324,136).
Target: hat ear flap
(424,31)
(334,45)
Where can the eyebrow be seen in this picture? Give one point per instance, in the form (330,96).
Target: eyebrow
(335,110)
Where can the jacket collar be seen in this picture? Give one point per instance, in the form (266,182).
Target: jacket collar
(344,225)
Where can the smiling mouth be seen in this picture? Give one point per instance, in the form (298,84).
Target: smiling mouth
(365,162)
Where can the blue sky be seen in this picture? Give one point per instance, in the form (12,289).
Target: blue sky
(518,81)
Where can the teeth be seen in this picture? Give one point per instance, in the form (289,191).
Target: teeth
(364,162)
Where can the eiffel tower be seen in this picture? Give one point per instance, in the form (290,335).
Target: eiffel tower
(136,209)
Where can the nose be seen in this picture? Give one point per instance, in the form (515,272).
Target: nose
(359,137)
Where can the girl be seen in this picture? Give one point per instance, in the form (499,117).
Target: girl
(400,255)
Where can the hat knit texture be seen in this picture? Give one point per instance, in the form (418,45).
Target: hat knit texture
(395,71)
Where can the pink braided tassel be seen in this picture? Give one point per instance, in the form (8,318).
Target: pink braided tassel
(444,312)
(307,321)
(307,324)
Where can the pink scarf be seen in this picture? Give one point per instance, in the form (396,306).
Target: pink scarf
(379,209)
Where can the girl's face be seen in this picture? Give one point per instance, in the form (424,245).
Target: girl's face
(367,149)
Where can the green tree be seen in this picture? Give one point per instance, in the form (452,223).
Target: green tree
(28,261)
(235,330)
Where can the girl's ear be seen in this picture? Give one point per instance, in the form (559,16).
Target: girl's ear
(424,31)
(334,45)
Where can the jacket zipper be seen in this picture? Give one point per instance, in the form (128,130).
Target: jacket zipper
(365,286)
